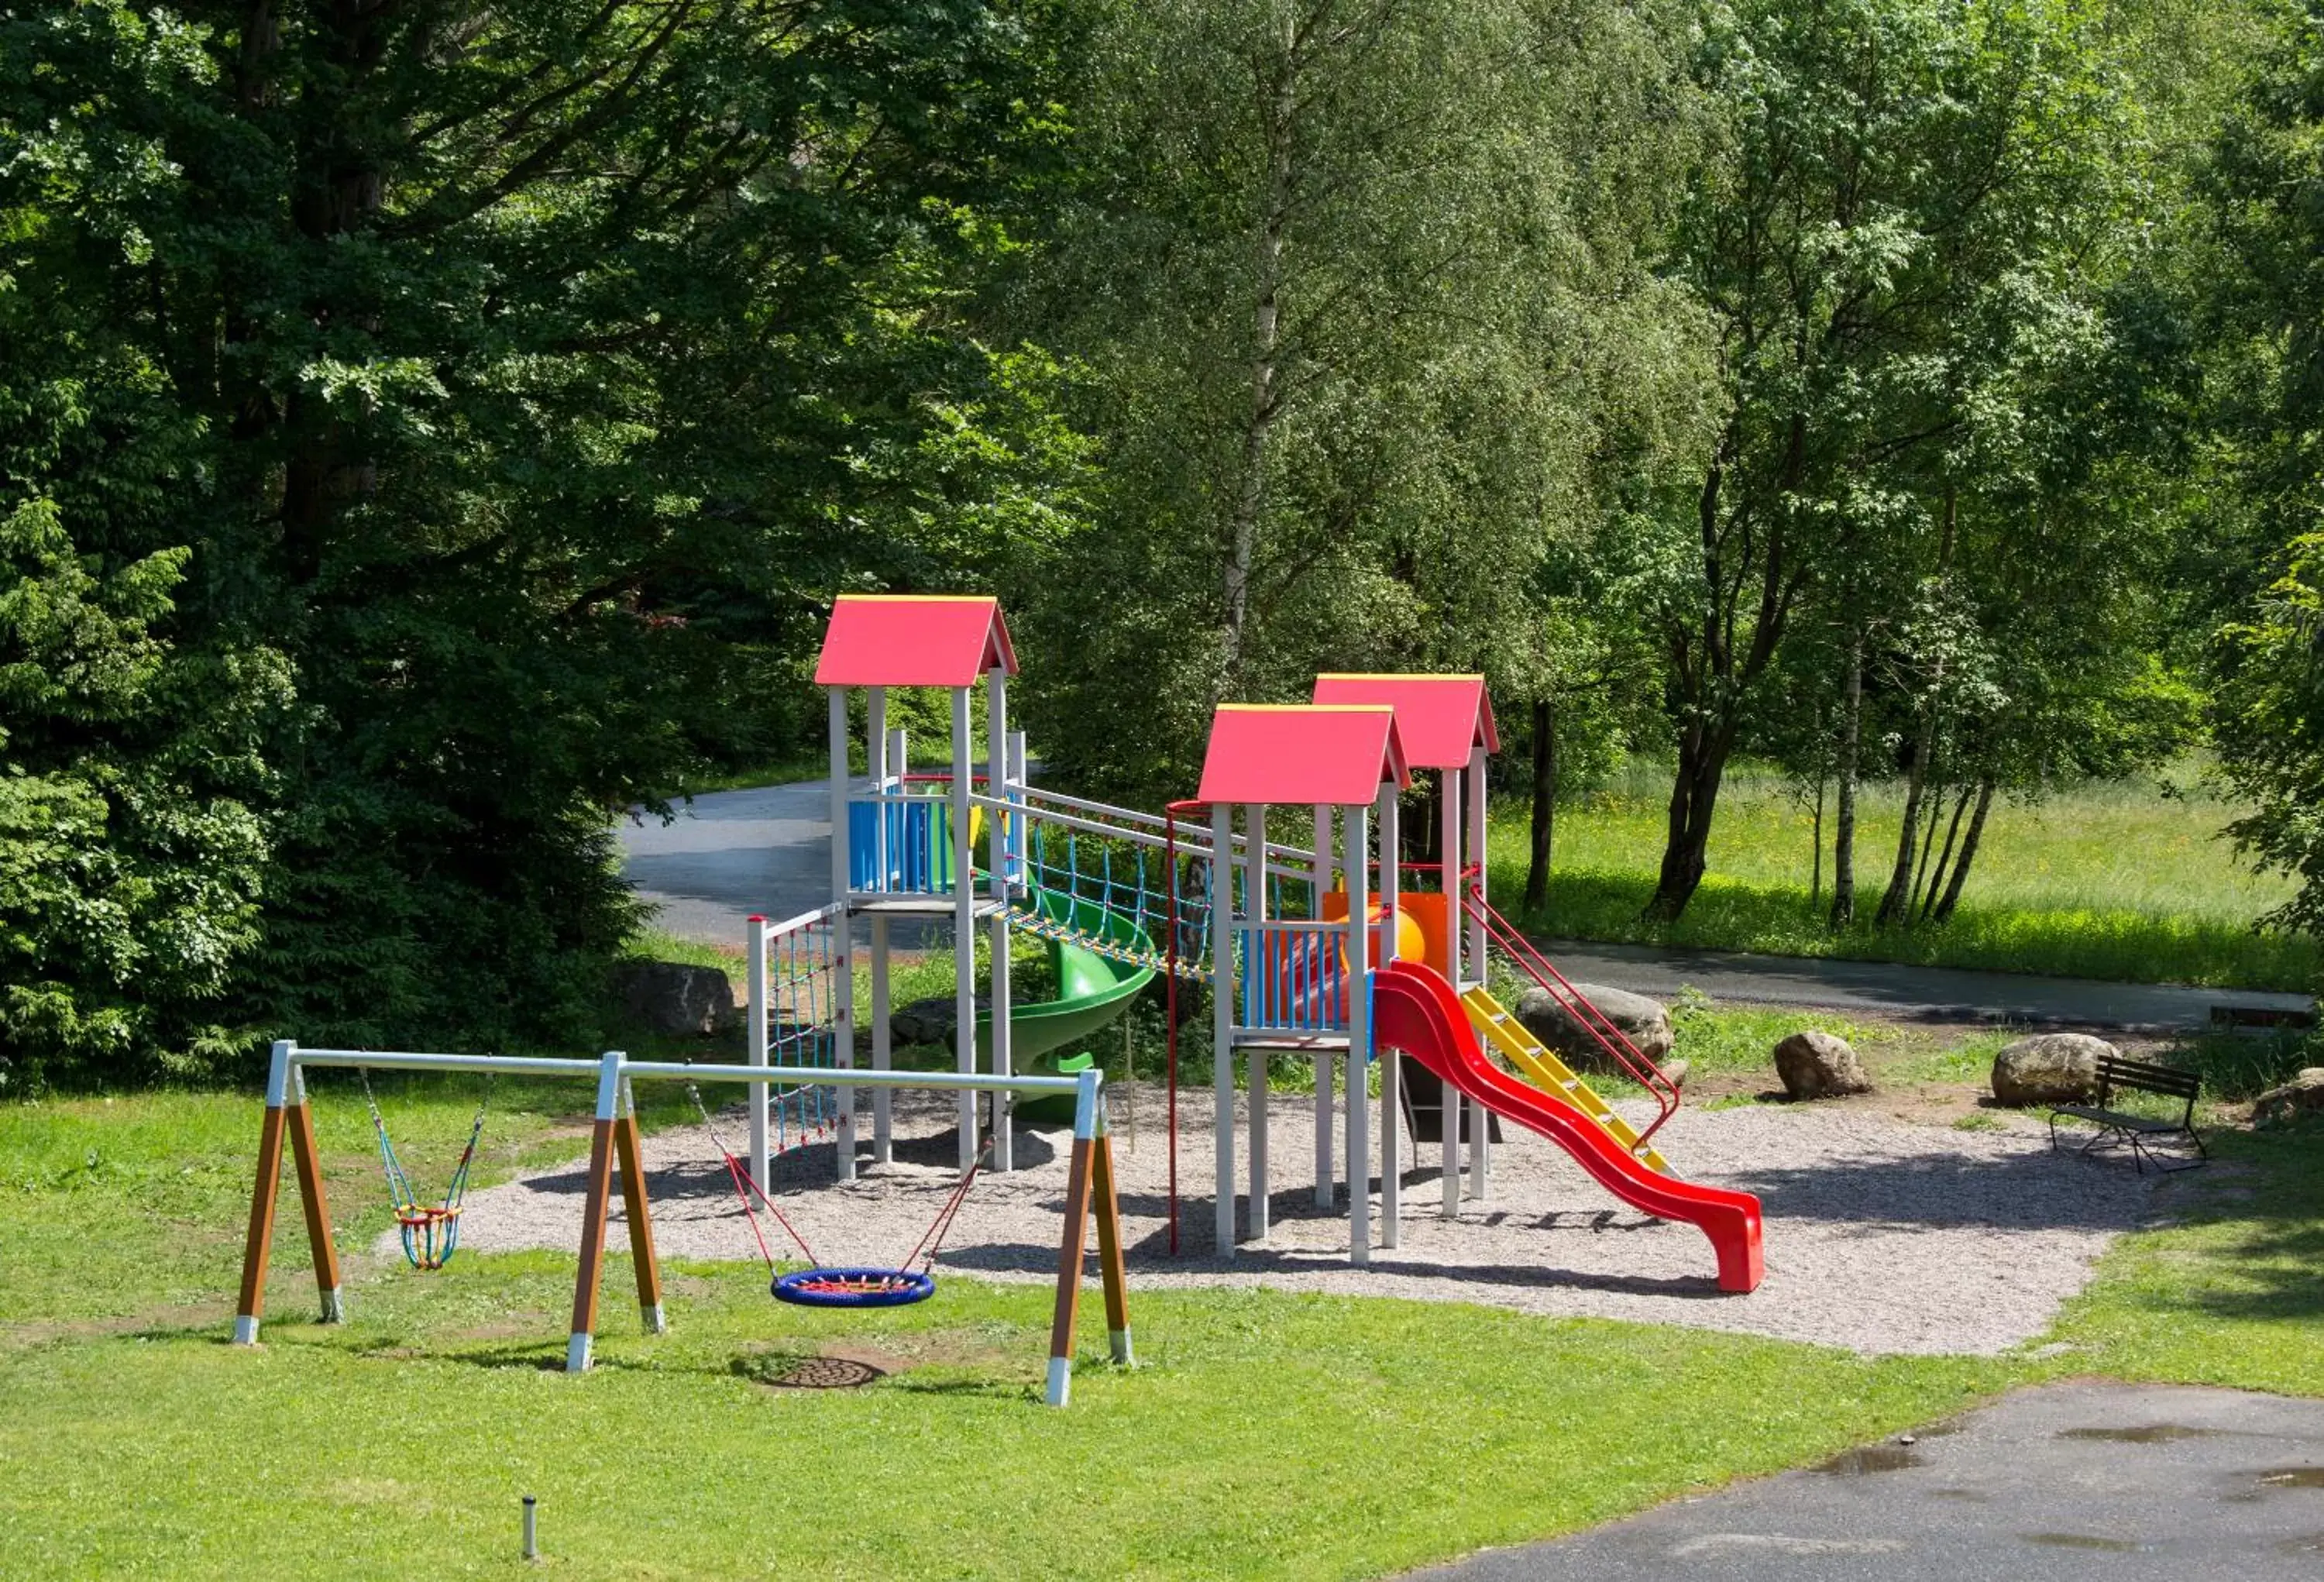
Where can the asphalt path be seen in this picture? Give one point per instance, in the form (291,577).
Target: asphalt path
(2129,1482)
(768,850)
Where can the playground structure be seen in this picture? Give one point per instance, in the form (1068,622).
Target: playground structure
(290,1119)
(1319,950)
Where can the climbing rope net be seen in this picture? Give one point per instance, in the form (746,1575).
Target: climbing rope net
(802,1012)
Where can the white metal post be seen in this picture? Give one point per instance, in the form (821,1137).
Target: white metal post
(1320,884)
(875,745)
(996,741)
(842,937)
(754,1038)
(1254,890)
(875,748)
(963,926)
(1223,991)
(1020,829)
(883,1042)
(898,763)
(1481,1123)
(1355,826)
(1448,1113)
(1391,1063)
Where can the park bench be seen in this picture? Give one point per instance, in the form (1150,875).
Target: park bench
(2115,1127)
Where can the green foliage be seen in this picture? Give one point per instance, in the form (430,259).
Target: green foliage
(131,765)
(2270,711)
(497,393)
(2269,715)
(1361,305)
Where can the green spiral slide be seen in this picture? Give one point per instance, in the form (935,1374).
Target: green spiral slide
(1093,988)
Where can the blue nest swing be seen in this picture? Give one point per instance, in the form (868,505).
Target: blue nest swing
(854,1288)
(827,1286)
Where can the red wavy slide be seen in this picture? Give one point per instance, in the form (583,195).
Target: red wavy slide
(1414,1010)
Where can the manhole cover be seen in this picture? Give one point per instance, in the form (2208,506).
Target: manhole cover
(819,1372)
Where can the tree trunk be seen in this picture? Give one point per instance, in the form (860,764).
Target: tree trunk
(1266,345)
(1843,839)
(1967,852)
(1815,844)
(1703,754)
(1544,806)
(1896,901)
(1944,860)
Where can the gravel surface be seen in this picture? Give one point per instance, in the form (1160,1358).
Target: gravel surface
(1881,1235)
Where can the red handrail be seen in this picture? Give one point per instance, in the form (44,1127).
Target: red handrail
(1601,1028)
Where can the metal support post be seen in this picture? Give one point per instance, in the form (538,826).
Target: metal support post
(996,734)
(842,937)
(1319,886)
(1480,1122)
(1391,1063)
(1224,989)
(883,1041)
(1254,890)
(1449,1103)
(963,926)
(754,1041)
(1355,825)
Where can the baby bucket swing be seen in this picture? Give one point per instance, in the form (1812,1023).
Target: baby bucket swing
(430,1231)
(821,1285)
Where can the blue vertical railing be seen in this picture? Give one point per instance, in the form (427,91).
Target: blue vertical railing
(1293,977)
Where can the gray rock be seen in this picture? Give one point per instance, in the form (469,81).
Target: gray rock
(1643,1021)
(2302,1096)
(2049,1067)
(1819,1065)
(672,997)
(928,1022)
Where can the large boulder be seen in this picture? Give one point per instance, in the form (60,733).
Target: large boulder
(930,1021)
(2302,1096)
(673,997)
(1820,1065)
(1643,1021)
(2049,1067)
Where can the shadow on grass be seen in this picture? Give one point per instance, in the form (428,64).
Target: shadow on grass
(2262,1229)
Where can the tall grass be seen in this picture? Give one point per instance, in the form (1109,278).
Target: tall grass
(2130,880)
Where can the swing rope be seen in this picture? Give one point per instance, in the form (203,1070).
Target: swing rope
(430,1232)
(744,1187)
(821,1285)
(932,1240)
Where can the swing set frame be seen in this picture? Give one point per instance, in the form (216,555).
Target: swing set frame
(1090,1191)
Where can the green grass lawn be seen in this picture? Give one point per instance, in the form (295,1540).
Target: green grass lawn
(1264,1435)
(2116,881)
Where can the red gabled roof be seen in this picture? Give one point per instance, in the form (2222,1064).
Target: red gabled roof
(1439,717)
(913,640)
(1294,753)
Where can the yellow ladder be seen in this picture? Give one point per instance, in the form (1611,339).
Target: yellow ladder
(1506,1033)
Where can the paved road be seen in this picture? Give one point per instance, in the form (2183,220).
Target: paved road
(768,850)
(2128,1483)
(731,853)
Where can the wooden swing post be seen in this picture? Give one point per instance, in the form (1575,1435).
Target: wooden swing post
(1090,1176)
(288,1115)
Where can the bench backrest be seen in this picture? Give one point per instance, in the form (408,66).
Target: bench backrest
(2147,1076)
